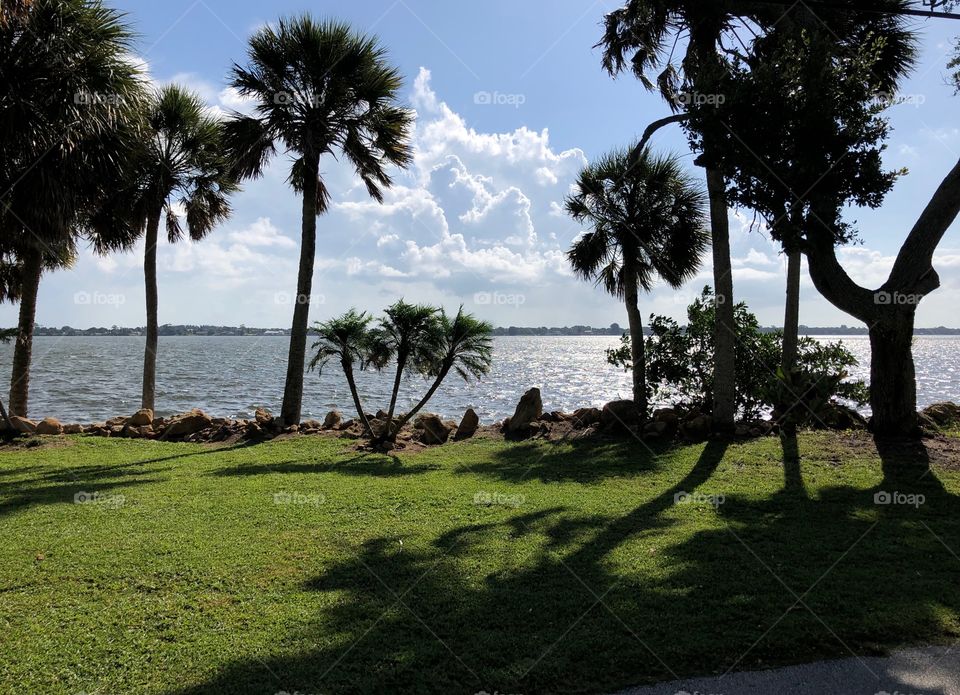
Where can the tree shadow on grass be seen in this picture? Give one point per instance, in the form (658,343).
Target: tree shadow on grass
(374,465)
(593,604)
(571,461)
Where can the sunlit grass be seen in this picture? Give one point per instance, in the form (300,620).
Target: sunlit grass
(532,567)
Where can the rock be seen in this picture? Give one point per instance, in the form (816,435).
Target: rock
(74,429)
(655,429)
(263,417)
(115,430)
(620,416)
(528,409)
(22,424)
(186,424)
(114,421)
(433,429)
(142,417)
(49,425)
(584,417)
(697,427)
(839,417)
(468,424)
(332,420)
(311,426)
(942,415)
(146,431)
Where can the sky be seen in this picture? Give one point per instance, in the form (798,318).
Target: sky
(510,102)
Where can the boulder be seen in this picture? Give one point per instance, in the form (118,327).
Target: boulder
(620,416)
(74,429)
(49,425)
(942,415)
(584,417)
(839,417)
(468,424)
(186,424)
(332,420)
(697,427)
(433,430)
(142,417)
(22,424)
(528,409)
(668,416)
(263,417)
(655,429)
(311,426)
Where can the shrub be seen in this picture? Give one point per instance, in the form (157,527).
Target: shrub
(680,365)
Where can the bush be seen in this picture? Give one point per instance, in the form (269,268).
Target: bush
(680,365)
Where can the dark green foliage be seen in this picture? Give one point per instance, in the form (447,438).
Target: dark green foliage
(680,359)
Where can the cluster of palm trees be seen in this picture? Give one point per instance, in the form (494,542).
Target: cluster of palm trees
(92,153)
(414,338)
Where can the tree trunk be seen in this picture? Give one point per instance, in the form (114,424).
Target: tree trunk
(6,417)
(401,363)
(791,314)
(393,432)
(725,336)
(635,323)
(148,393)
(23,350)
(296,358)
(893,386)
(348,372)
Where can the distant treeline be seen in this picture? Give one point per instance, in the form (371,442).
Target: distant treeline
(614,329)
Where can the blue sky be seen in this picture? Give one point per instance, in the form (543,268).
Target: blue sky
(511,101)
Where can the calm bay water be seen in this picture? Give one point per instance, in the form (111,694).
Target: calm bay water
(80,379)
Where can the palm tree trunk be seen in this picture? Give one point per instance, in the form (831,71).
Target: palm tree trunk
(348,372)
(23,350)
(725,335)
(393,432)
(401,363)
(635,322)
(791,314)
(296,358)
(148,393)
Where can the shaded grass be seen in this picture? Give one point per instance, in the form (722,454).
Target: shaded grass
(382,574)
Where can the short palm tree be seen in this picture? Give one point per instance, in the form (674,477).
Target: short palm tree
(348,339)
(72,101)
(407,334)
(647,220)
(180,160)
(462,345)
(319,89)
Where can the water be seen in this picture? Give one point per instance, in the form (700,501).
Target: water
(87,379)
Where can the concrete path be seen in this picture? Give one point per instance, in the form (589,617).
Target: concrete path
(924,671)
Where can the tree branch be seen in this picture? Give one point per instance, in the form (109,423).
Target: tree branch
(653,128)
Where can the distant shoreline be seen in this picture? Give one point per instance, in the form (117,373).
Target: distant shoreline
(512,331)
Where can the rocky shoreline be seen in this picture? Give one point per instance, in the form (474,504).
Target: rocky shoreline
(529,421)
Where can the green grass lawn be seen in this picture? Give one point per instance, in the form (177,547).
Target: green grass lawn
(300,565)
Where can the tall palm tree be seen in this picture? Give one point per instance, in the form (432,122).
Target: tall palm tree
(319,89)
(346,338)
(463,345)
(407,333)
(647,220)
(181,159)
(73,102)
(641,36)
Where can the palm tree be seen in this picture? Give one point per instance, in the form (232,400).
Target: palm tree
(181,160)
(647,220)
(408,334)
(348,339)
(462,345)
(73,103)
(319,89)
(641,36)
